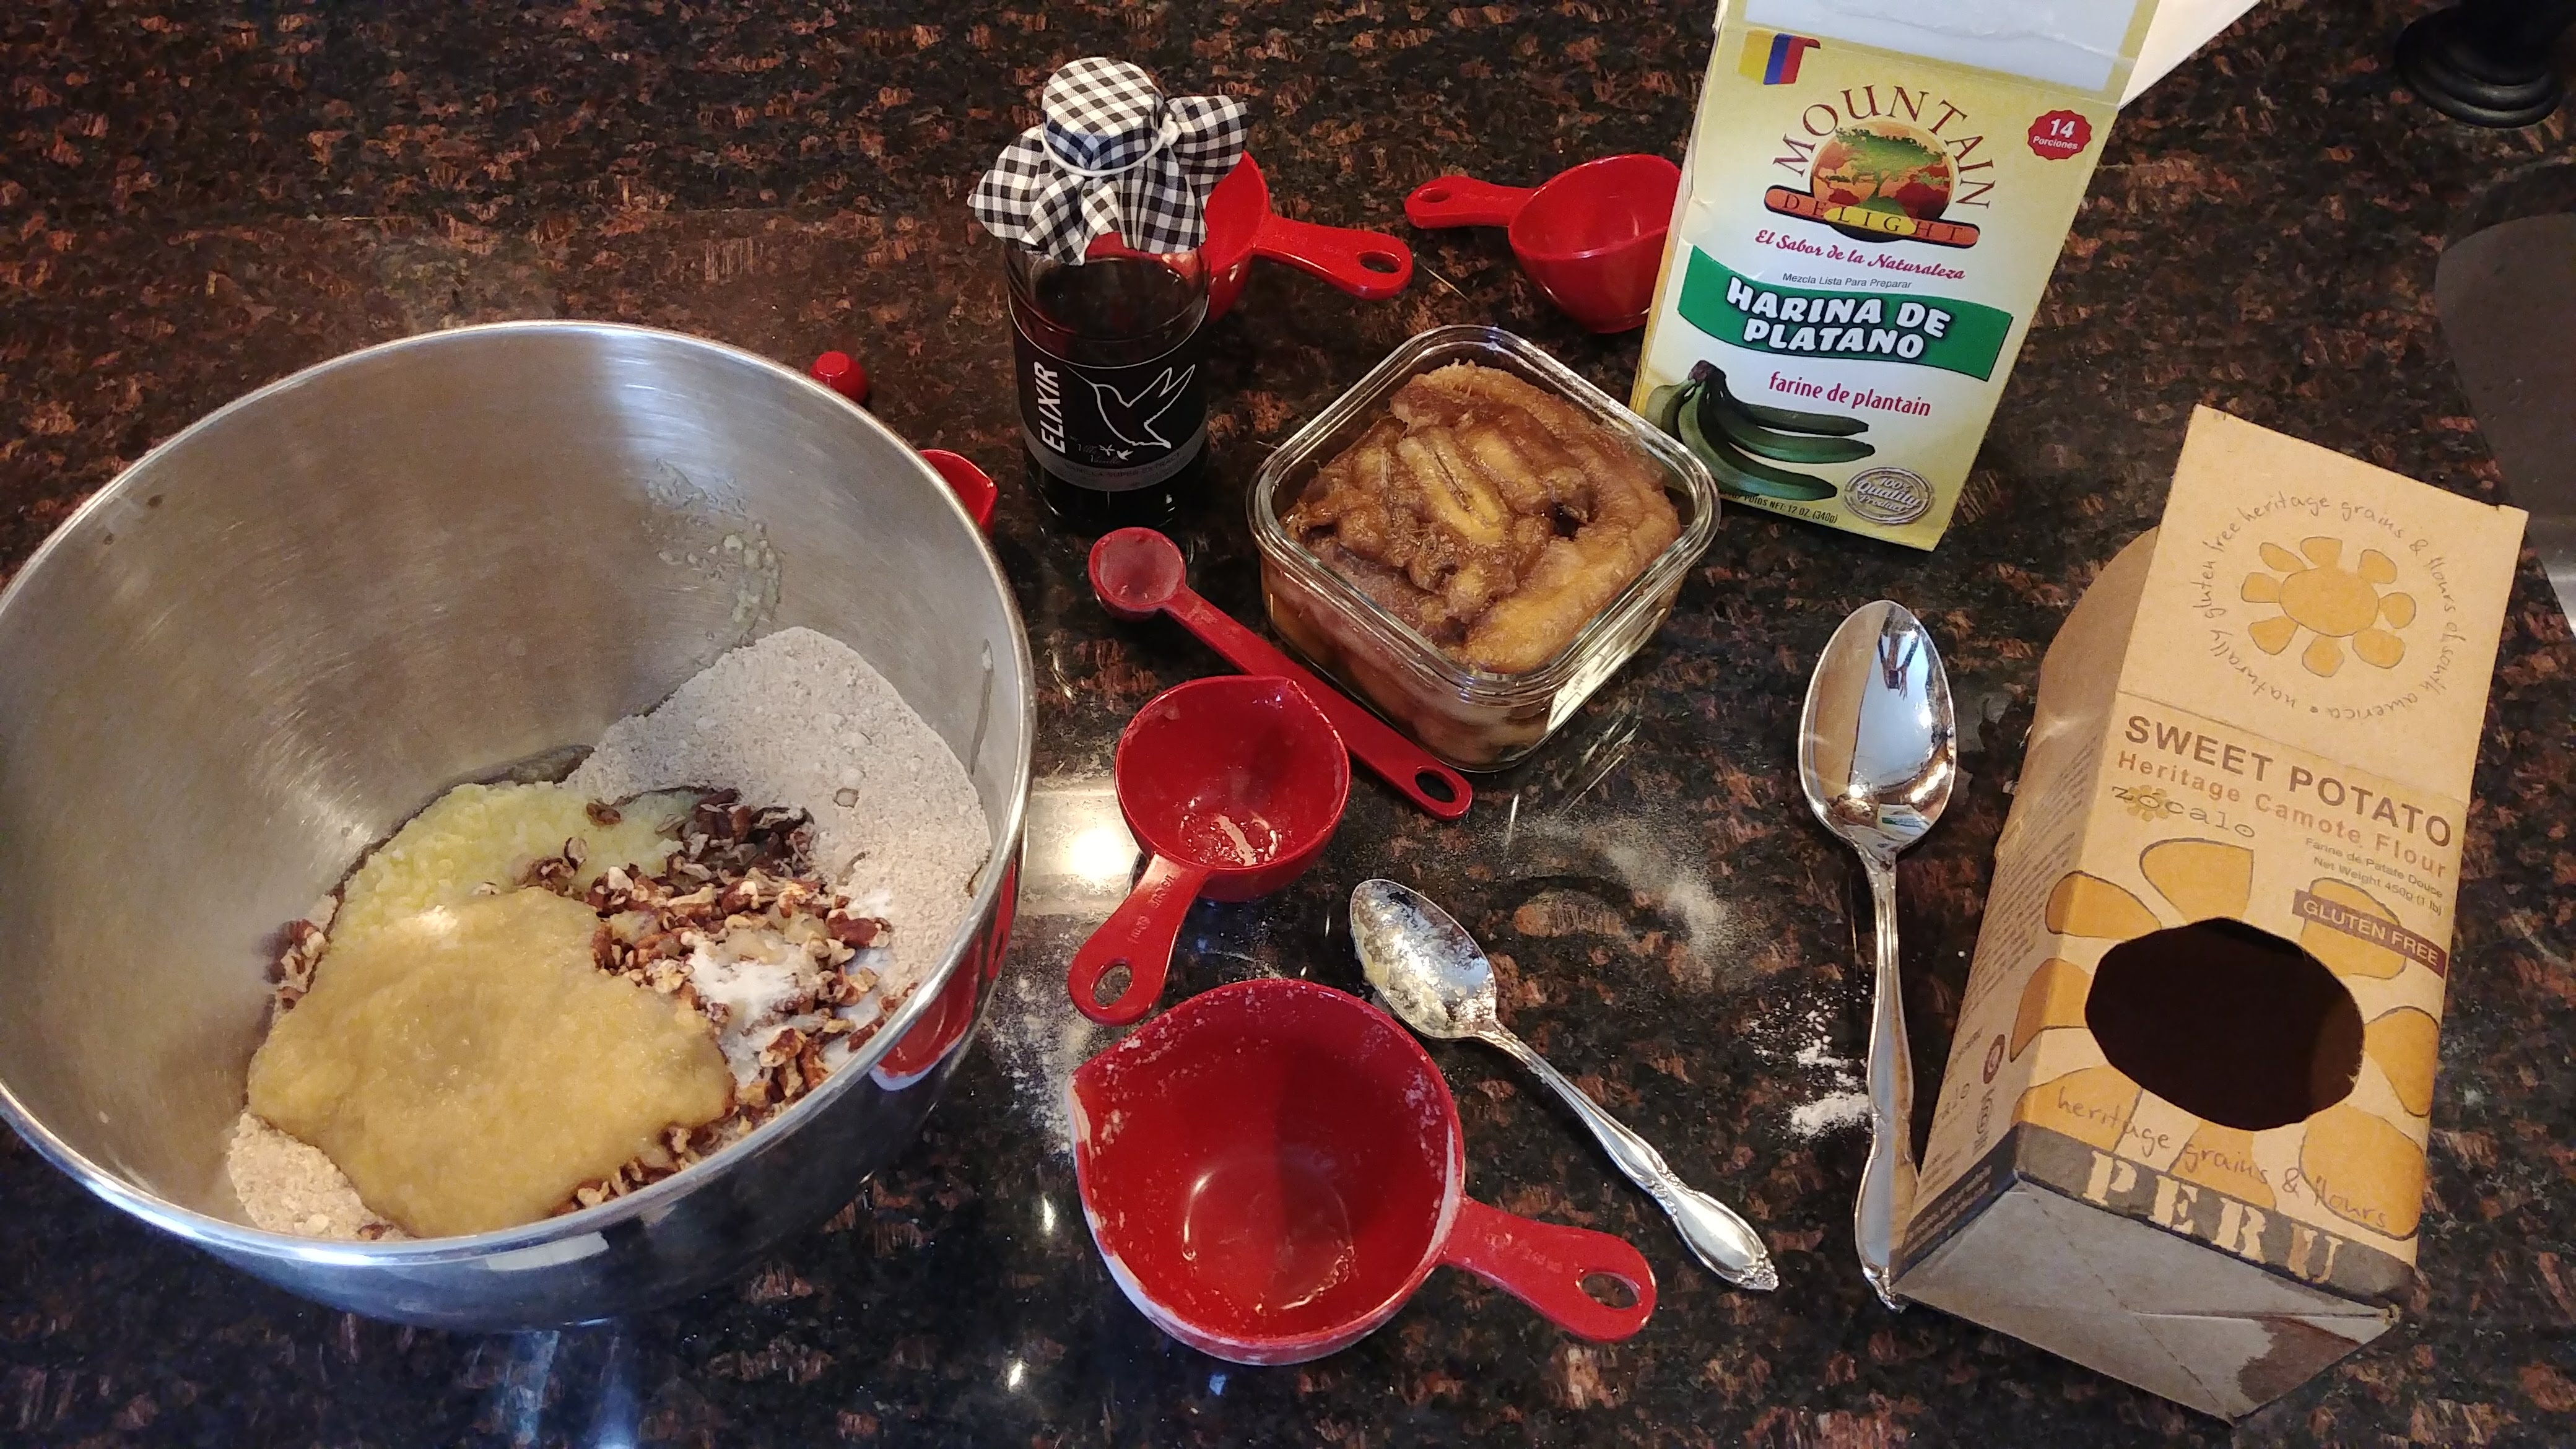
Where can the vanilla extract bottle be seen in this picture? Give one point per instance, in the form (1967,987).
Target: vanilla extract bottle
(1113,400)
(1101,209)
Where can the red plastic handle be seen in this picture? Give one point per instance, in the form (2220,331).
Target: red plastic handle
(1370,265)
(1138,935)
(932,1037)
(1465,201)
(1439,790)
(971,484)
(1544,1265)
(842,373)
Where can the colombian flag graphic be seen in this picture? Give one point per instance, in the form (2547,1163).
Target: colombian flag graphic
(1771,56)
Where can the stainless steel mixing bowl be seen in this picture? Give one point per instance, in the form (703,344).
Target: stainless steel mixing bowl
(291,626)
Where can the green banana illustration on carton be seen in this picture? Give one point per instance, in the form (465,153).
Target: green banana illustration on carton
(1742,442)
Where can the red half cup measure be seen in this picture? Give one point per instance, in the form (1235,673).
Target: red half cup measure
(1271,1168)
(1591,238)
(1235,783)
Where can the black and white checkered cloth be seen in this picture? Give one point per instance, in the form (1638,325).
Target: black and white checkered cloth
(1114,155)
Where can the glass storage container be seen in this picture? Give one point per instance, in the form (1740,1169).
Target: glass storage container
(1470,718)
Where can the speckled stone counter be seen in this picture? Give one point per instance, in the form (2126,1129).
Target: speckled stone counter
(197,200)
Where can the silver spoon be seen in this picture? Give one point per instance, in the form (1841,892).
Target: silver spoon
(1878,752)
(1432,974)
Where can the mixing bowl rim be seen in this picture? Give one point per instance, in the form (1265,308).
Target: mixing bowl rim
(540,1239)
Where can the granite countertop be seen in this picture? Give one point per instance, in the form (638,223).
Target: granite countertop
(197,200)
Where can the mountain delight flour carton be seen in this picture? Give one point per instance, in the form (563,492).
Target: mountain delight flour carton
(2181,1133)
(1870,208)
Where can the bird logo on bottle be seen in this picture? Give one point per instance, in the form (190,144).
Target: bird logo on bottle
(1131,419)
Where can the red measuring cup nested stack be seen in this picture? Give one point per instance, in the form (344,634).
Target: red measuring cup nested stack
(1271,1168)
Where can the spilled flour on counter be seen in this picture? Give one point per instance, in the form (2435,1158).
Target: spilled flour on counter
(1803,1037)
(1037,1039)
(1829,1113)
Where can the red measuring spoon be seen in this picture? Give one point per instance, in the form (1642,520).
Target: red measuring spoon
(1271,1168)
(1138,573)
(1235,783)
(1241,227)
(1591,238)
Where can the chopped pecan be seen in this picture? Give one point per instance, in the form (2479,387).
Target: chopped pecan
(602,814)
(854,930)
(782,1048)
(659,946)
(549,873)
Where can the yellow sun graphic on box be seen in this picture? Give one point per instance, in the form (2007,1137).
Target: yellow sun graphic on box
(2319,594)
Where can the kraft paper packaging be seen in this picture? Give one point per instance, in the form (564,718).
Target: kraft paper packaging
(2180,1137)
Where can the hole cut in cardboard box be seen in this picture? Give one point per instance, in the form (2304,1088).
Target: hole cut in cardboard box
(2181,1134)
(2287,1046)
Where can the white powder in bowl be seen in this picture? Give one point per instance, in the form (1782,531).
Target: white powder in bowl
(288,1187)
(800,719)
(797,719)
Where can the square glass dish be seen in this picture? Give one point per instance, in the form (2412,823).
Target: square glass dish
(1473,719)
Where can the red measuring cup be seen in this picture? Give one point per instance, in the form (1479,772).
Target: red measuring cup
(1271,1168)
(1235,783)
(1241,227)
(1592,238)
(1138,573)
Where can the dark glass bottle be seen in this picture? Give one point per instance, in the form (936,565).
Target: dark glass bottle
(1113,400)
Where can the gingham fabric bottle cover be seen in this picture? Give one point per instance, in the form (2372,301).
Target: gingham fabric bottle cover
(1104,205)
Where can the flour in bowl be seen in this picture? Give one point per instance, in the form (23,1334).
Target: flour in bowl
(789,931)
(800,719)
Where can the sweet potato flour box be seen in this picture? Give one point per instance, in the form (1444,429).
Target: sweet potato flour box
(1870,208)
(2181,1134)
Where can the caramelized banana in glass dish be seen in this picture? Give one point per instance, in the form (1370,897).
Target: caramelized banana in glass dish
(1474,538)
(1491,516)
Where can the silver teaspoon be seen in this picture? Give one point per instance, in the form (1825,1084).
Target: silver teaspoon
(1878,752)
(1433,976)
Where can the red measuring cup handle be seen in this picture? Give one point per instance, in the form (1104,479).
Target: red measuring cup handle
(1544,1265)
(1465,201)
(1138,935)
(1369,265)
(971,484)
(842,374)
(1390,756)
